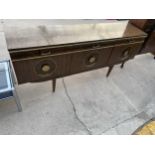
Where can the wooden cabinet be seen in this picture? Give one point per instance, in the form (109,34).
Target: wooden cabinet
(40,66)
(41,50)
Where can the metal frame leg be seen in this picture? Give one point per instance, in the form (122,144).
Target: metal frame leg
(15,95)
(14,83)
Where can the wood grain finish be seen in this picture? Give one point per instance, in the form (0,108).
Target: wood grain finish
(67,63)
(123,52)
(143,24)
(140,23)
(150,44)
(91,59)
(30,70)
(148,26)
(45,50)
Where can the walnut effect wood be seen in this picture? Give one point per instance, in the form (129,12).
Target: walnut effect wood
(46,50)
(148,26)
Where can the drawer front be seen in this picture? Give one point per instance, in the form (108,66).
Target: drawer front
(41,69)
(88,60)
(124,52)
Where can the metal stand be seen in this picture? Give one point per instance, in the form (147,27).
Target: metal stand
(15,95)
(14,83)
(9,75)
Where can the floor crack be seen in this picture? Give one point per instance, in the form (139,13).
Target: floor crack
(74,109)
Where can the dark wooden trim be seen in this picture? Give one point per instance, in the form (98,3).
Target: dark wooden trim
(122,65)
(109,70)
(54,84)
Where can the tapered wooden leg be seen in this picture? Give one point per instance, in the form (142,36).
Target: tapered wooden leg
(109,71)
(122,65)
(54,84)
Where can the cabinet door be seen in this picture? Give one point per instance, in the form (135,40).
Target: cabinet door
(90,59)
(40,69)
(122,53)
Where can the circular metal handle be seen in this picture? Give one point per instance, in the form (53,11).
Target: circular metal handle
(45,68)
(92,59)
(125,54)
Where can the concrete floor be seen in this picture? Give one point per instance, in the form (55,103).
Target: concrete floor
(87,103)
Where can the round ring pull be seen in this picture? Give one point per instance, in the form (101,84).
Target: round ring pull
(92,59)
(45,68)
(125,54)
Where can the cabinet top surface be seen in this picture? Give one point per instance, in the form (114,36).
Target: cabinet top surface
(37,33)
